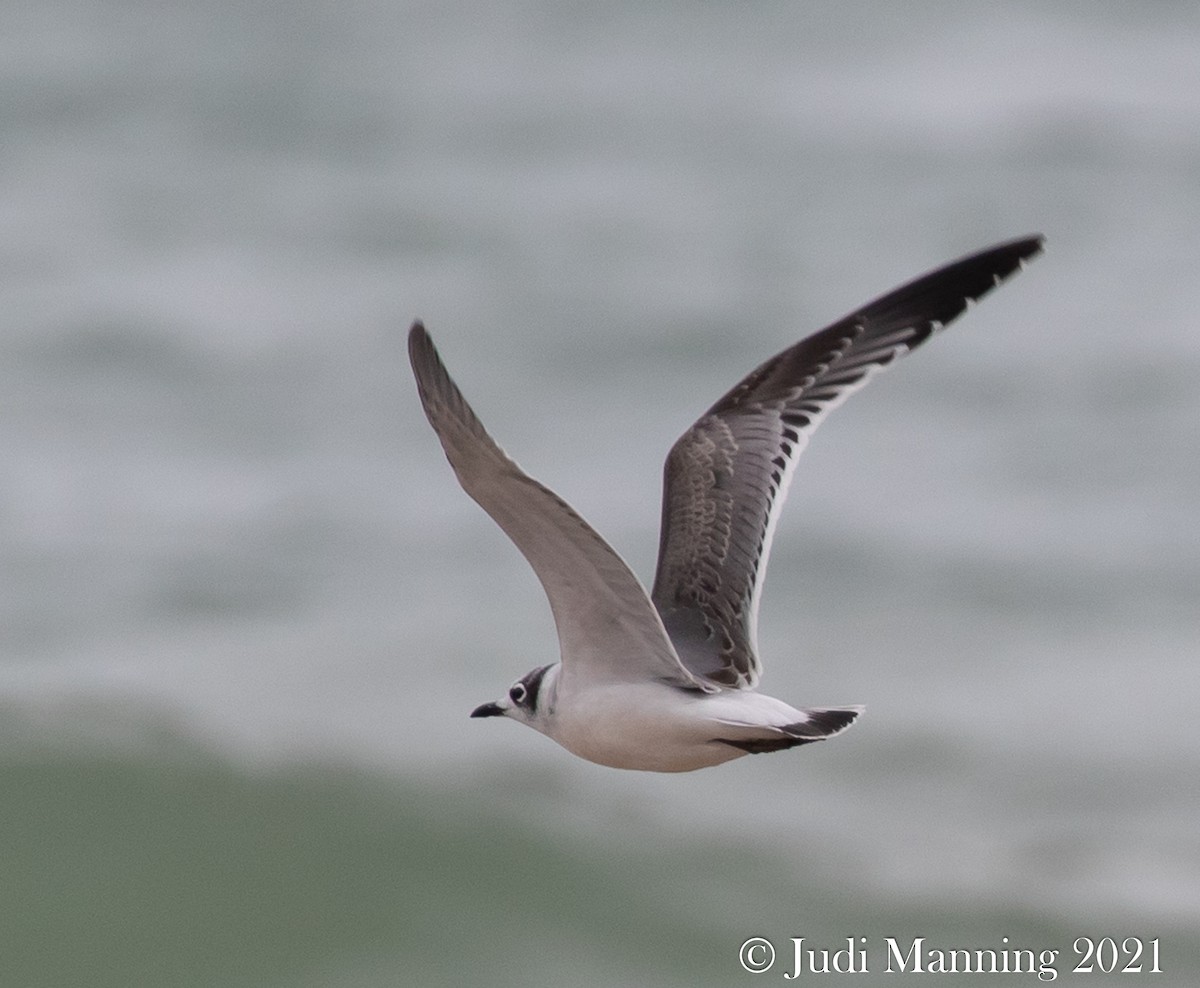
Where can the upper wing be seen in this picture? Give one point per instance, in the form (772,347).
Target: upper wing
(727,476)
(607,627)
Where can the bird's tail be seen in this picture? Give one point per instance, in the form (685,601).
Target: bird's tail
(823,722)
(819,723)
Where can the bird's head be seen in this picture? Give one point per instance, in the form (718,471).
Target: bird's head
(528,699)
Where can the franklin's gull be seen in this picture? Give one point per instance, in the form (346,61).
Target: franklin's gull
(666,681)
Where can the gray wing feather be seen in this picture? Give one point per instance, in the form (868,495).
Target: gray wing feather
(727,476)
(608,629)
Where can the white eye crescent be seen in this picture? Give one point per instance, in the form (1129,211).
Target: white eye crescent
(517,693)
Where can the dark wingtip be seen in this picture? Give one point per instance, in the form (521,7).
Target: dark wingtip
(1003,259)
(938,297)
(1033,241)
(421,351)
(1027,247)
(1008,258)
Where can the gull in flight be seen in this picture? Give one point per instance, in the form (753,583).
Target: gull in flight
(667,681)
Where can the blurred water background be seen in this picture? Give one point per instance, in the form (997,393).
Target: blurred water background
(246,609)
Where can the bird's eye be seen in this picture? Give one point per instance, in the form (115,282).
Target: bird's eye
(517,693)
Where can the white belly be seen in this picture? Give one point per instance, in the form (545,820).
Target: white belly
(655,728)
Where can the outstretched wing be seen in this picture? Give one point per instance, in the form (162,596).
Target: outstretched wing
(608,630)
(727,476)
